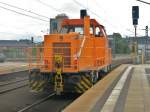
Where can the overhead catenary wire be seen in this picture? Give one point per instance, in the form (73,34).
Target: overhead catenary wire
(54,8)
(17,12)
(24,14)
(29,11)
(113,26)
(143,2)
(47,5)
(133,32)
(99,6)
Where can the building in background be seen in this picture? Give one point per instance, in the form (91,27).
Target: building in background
(143,43)
(15,50)
(55,23)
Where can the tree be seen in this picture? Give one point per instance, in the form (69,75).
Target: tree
(121,44)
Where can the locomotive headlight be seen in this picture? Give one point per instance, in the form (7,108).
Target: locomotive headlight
(75,62)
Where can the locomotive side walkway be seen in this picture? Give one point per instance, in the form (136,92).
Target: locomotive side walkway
(10,67)
(125,89)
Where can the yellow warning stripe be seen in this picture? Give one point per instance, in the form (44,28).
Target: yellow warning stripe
(87,77)
(41,83)
(35,85)
(87,81)
(40,86)
(82,88)
(84,85)
(78,90)
(40,89)
(31,83)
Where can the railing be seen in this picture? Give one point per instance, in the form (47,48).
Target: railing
(45,62)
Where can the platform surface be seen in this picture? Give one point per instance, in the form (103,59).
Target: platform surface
(128,93)
(9,67)
(138,98)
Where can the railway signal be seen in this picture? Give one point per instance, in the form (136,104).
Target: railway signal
(135,17)
(146,31)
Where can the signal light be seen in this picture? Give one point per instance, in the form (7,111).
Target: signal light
(135,12)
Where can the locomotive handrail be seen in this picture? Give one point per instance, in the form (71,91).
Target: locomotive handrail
(36,57)
(64,47)
(81,47)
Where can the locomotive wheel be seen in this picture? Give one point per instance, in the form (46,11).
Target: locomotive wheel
(94,76)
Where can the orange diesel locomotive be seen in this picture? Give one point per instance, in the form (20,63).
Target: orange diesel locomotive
(71,60)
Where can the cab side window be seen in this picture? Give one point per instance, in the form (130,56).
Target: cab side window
(79,30)
(91,30)
(98,32)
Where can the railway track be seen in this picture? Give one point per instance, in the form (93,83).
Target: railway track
(13,85)
(27,101)
(13,76)
(49,100)
(21,82)
(36,103)
(50,103)
(12,82)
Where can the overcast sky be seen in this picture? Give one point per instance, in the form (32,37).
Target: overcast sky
(115,15)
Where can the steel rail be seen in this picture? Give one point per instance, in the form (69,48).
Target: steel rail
(13,88)
(11,82)
(36,103)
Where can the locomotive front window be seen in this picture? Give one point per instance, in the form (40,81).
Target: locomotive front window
(77,29)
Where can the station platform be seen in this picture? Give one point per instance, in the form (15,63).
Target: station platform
(9,67)
(125,89)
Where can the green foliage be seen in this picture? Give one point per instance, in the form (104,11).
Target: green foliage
(121,44)
(34,51)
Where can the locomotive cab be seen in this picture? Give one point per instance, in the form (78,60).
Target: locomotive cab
(77,26)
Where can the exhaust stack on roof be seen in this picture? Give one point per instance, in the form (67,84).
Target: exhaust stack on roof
(83,13)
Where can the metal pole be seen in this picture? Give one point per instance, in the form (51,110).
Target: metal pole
(146,47)
(135,45)
(114,46)
(142,56)
(135,32)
